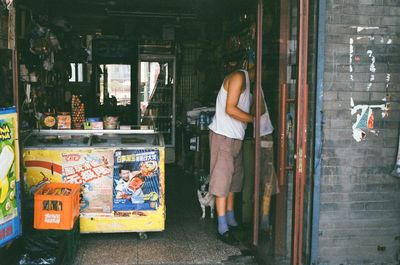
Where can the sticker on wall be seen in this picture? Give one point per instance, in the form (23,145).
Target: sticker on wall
(365,119)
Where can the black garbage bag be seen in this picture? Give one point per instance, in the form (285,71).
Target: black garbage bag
(34,250)
(41,249)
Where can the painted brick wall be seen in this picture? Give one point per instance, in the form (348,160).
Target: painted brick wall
(360,201)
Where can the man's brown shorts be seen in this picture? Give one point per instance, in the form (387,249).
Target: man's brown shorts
(226,165)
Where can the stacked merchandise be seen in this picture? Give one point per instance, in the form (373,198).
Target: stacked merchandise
(63,121)
(197,121)
(78,112)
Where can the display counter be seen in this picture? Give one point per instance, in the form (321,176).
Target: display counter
(121,173)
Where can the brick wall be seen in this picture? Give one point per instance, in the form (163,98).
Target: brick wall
(360,201)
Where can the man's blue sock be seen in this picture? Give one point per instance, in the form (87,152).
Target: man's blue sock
(222,224)
(265,222)
(230,216)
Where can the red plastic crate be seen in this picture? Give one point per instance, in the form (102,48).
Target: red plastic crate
(56,206)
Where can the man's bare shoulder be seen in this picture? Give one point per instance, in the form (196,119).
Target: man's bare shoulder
(236,77)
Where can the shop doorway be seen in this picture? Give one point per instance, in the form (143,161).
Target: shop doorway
(289,77)
(290,209)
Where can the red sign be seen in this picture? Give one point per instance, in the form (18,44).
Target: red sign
(86,172)
(7,231)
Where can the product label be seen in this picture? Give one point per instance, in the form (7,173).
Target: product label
(51,218)
(49,121)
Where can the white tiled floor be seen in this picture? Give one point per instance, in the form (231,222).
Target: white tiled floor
(186,239)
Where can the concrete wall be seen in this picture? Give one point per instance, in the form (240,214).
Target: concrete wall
(3,31)
(360,200)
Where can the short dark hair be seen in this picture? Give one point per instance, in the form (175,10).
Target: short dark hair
(124,167)
(234,61)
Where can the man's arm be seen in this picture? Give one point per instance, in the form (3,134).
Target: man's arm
(234,89)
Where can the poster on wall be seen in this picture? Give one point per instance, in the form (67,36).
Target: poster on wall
(10,224)
(93,170)
(136,180)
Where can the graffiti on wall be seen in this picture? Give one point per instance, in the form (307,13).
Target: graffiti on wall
(365,119)
(362,54)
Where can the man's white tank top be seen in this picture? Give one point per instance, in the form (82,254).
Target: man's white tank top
(224,124)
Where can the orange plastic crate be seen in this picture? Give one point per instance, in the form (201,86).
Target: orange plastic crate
(56,206)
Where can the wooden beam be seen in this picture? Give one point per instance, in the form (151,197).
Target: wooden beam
(11,29)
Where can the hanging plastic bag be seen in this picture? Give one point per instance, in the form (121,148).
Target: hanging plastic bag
(265,122)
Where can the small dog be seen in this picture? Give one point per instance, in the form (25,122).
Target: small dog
(206,199)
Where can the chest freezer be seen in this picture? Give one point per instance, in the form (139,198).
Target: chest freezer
(121,173)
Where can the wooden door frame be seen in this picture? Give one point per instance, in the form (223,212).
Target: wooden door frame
(300,169)
(281,198)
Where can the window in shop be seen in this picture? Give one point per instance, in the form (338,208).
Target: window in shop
(77,74)
(118,84)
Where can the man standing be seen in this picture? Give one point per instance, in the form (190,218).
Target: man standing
(227,132)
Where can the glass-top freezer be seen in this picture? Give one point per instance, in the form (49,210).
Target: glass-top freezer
(93,138)
(121,173)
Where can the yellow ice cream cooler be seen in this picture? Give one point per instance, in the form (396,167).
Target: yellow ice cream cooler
(121,173)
